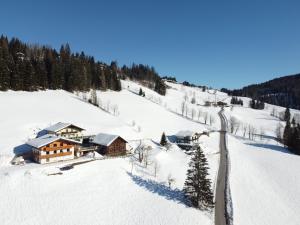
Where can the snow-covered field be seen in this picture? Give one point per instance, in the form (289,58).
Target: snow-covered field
(114,191)
(265,185)
(264,180)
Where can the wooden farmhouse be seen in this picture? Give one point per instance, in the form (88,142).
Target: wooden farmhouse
(66,130)
(109,144)
(186,137)
(51,148)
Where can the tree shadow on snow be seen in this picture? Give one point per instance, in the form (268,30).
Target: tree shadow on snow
(270,147)
(160,189)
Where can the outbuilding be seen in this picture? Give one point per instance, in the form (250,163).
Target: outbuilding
(110,144)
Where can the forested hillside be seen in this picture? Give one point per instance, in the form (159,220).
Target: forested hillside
(30,67)
(283,91)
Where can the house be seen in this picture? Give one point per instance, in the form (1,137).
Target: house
(109,144)
(186,137)
(66,130)
(220,103)
(51,148)
(208,103)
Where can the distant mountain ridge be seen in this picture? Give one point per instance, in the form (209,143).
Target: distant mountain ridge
(283,91)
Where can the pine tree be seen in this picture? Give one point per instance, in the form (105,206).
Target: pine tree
(163,140)
(140,92)
(197,186)
(293,122)
(287,134)
(287,114)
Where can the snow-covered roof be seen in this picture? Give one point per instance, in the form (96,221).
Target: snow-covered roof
(47,139)
(105,139)
(185,133)
(59,126)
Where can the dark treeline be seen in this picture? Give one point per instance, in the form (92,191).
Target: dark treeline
(283,91)
(186,83)
(169,78)
(33,67)
(236,101)
(256,104)
(145,75)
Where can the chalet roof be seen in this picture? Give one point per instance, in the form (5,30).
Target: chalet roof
(105,139)
(47,139)
(185,133)
(59,126)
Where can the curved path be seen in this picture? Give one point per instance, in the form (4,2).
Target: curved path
(222,198)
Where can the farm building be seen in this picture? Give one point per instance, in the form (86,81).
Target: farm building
(186,137)
(66,130)
(109,144)
(52,148)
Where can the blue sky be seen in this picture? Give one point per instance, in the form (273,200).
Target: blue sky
(216,43)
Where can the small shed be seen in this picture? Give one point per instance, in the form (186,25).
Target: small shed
(110,144)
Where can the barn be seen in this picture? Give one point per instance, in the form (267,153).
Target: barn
(110,144)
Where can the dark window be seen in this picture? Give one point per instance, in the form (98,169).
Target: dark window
(47,153)
(68,150)
(61,151)
(55,152)
(54,145)
(61,144)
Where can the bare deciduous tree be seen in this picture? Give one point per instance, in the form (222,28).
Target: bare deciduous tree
(171,180)
(183,105)
(279,132)
(147,155)
(244,127)
(193,113)
(199,114)
(156,168)
(233,123)
(211,120)
(115,110)
(262,133)
(205,116)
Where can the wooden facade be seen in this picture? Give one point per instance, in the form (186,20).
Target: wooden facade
(56,151)
(117,147)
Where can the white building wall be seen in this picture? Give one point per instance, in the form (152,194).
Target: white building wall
(57,159)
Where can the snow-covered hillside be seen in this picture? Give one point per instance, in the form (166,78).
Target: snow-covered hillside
(263,179)
(115,191)
(265,185)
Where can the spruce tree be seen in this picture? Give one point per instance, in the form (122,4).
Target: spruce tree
(287,115)
(197,186)
(287,134)
(293,122)
(140,92)
(163,140)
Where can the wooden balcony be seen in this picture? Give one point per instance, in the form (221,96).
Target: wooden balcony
(57,148)
(54,155)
